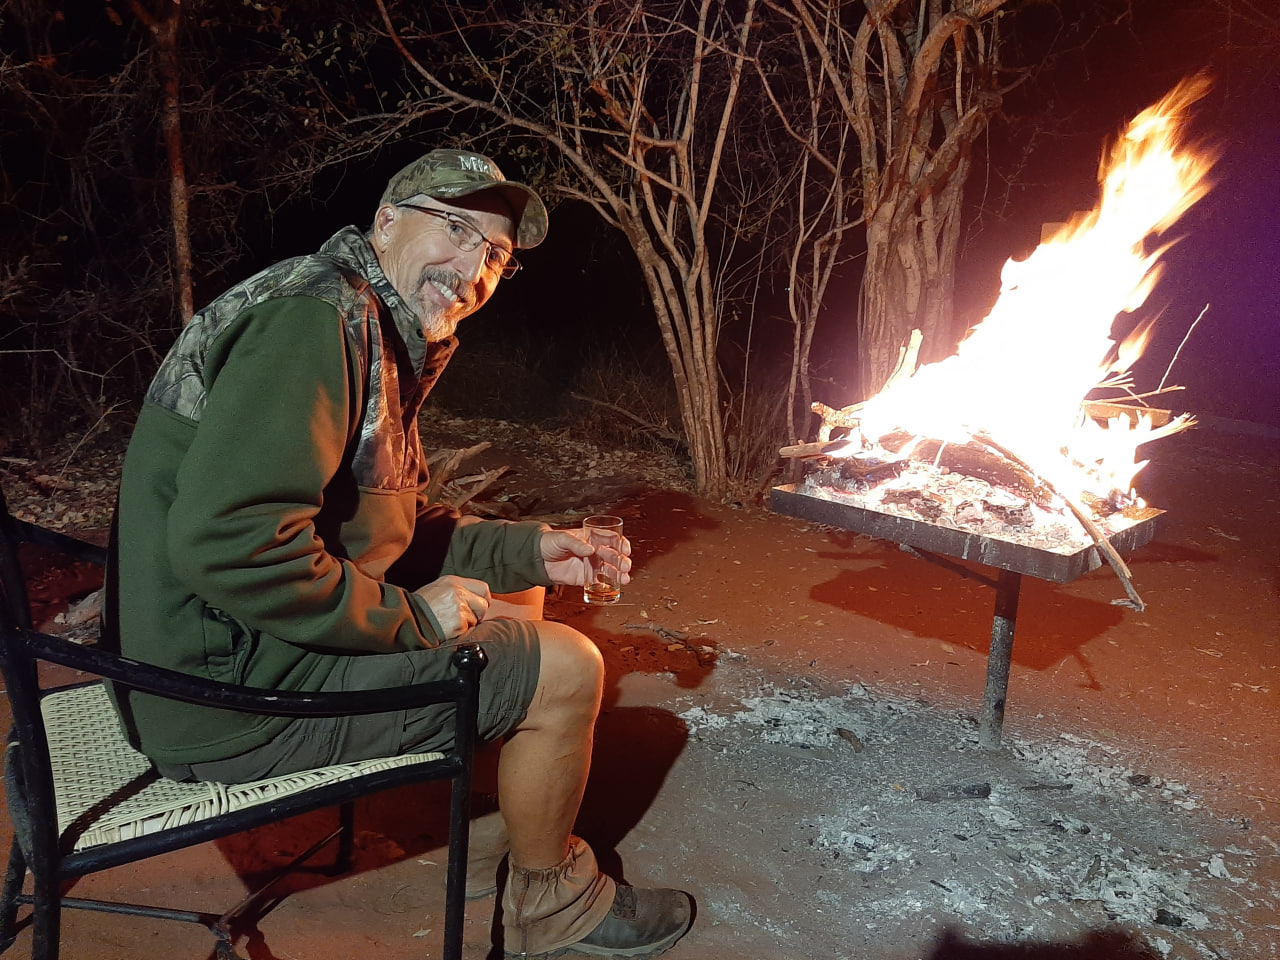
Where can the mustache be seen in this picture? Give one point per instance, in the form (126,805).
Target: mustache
(464,291)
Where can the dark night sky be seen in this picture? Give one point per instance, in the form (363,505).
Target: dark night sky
(1228,259)
(1225,257)
(1226,254)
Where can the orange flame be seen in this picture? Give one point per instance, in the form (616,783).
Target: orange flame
(1021,376)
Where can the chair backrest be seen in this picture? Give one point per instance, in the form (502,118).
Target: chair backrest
(18,669)
(28,772)
(17,664)
(15,608)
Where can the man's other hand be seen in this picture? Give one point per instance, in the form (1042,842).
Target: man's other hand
(565,552)
(458,603)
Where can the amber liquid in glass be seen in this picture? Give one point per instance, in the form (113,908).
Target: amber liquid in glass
(601,591)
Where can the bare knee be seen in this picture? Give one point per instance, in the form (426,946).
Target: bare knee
(570,675)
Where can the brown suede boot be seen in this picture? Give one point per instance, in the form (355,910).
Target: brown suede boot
(573,909)
(641,923)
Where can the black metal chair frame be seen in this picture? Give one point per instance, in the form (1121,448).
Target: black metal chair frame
(37,847)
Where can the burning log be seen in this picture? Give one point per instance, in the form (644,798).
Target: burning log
(1107,409)
(908,358)
(979,486)
(974,459)
(847,417)
(819,448)
(868,471)
(981,458)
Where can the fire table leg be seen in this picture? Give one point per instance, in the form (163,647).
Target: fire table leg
(1002,624)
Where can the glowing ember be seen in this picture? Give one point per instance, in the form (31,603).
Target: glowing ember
(1022,375)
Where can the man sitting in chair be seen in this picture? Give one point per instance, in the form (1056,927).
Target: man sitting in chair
(274,533)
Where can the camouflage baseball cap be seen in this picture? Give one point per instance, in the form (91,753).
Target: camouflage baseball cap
(446,174)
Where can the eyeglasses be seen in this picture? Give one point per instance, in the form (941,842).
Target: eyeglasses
(467,237)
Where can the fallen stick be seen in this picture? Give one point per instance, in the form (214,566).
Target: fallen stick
(656,429)
(852,738)
(487,480)
(443,464)
(1113,558)
(659,630)
(955,791)
(817,448)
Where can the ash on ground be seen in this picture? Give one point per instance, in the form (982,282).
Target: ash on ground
(894,824)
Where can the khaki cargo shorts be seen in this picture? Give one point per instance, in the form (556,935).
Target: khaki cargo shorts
(506,690)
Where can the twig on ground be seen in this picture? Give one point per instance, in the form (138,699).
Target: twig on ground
(444,463)
(852,738)
(659,630)
(486,480)
(645,425)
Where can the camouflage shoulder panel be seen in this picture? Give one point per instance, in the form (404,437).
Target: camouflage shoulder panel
(180,385)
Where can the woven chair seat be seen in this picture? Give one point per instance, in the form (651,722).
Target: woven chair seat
(107,791)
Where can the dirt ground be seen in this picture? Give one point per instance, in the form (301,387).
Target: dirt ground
(790,735)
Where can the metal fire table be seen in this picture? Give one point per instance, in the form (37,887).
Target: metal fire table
(1012,560)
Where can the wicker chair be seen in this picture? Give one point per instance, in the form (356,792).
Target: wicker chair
(81,799)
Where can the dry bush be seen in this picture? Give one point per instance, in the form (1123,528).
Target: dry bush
(622,400)
(755,428)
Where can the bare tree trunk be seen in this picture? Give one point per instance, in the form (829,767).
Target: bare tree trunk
(916,82)
(699,398)
(912,247)
(164,30)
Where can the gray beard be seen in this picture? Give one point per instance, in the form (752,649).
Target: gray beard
(436,326)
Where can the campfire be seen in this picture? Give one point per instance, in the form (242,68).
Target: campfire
(1002,439)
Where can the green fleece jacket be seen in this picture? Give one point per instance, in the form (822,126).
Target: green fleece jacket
(272,516)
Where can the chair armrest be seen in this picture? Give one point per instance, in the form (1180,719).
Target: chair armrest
(469,658)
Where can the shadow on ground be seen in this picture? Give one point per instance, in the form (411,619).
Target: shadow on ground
(1106,945)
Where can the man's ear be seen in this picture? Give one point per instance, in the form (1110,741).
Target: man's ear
(383,225)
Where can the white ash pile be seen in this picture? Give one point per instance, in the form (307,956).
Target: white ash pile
(918,492)
(1006,504)
(900,823)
